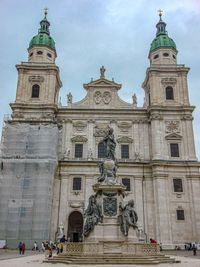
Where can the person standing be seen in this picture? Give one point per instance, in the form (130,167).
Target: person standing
(23,248)
(194,248)
(153,241)
(20,247)
(35,247)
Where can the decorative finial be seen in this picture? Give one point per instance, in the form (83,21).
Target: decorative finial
(102,71)
(160,12)
(45,11)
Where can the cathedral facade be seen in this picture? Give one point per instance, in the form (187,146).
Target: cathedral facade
(50,153)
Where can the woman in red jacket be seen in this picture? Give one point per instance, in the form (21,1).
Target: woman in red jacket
(23,248)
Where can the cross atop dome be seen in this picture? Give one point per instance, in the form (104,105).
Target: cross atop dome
(45,11)
(160,12)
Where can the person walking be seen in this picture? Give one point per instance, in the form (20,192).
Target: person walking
(42,247)
(20,247)
(194,248)
(35,247)
(23,248)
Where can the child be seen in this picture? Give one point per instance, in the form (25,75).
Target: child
(23,248)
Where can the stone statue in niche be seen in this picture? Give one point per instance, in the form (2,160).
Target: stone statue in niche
(128,217)
(108,168)
(67,153)
(110,143)
(137,156)
(90,154)
(134,98)
(93,215)
(60,230)
(102,72)
(69,98)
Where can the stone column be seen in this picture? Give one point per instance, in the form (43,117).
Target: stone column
(162,211)
(139,200)
(91,139)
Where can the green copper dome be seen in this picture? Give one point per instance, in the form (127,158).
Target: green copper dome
(162,39)
(43,37)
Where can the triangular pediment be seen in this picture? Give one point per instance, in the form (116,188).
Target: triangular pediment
(173,136)
(102,82)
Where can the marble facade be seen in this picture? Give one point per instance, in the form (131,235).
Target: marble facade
(38,160)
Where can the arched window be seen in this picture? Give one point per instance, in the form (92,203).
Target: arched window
(169,93)
(101,150)
(35,90)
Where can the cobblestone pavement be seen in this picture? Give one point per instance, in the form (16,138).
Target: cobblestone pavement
(33,259)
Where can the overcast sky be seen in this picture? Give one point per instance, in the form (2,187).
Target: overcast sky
(91,33)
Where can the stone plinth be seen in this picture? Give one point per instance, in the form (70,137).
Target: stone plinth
(109,198)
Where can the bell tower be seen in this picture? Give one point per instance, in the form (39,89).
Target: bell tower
(38,79)
(166,81)
(171,138)
(30,146)
(167,100)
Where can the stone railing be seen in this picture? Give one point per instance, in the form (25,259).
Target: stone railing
(109,247)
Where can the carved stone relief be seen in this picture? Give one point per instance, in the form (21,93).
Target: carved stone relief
(79,138)
(97,97)
(172,127)
(100,130)
(124,127)
(187,117)
(166,81)
(110,206)
(18,115)
(79,126)
(156,116)
(100,97)
(106,97)
(125,139)
(36,78)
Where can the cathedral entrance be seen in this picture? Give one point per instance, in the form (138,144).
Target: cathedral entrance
(75,226)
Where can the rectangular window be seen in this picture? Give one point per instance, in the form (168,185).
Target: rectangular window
(101,150)
(127,183)
(180,215)
(77,183)
(174,150)
(125,151)
(22,212)
(78,150)
(26,182)
(178,186)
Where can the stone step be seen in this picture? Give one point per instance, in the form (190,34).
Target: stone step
(110,259)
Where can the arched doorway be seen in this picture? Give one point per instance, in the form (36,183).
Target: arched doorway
(75,226)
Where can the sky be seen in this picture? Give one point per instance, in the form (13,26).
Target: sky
(91,33)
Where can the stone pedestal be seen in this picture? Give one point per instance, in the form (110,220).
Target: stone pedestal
(108,231)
